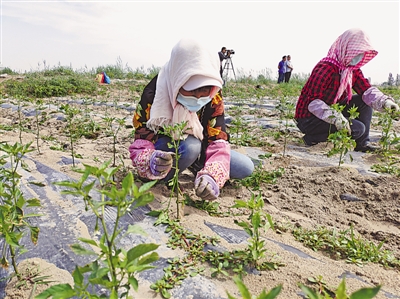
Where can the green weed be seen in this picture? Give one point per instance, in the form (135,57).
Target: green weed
(260,176)
(257,221)
(72,128)
(389,163)
(286,113)
(222,263)
(13,220)
(246,294)
(322,292)
(341,139)
(345,244)
(39,85)
(176,133)
(113,268)
(39,106)
(112,130)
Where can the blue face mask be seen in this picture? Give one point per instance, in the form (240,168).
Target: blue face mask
(356,59)
(191,103)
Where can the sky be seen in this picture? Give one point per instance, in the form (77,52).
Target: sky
(141,34)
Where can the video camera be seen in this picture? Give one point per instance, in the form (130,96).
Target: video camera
(230,52)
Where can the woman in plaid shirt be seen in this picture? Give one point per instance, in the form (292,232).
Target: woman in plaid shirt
(332,81)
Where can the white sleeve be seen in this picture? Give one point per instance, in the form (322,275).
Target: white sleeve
(375,98)
(324,112)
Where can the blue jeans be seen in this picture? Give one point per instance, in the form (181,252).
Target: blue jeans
(316,130)
(189,150)
(281,77)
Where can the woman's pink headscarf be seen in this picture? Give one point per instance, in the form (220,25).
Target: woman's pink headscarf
(348,45)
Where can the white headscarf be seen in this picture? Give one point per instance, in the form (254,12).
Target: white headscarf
(348,45)
(188,58)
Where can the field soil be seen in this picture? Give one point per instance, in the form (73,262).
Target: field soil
(309,194)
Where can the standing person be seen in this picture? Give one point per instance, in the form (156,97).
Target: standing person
(281,69)
(289,69)
(187,89)
(222,57)
(332,81)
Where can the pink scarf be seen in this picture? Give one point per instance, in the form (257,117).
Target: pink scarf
(348,45)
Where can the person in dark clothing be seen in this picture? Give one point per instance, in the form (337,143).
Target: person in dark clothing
(222,57)
(281,69)
(332,81)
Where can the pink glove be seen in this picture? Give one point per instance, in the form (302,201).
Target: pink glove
(160,162)
(206,188)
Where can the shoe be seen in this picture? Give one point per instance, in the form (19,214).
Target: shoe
(368,147)
(307,141)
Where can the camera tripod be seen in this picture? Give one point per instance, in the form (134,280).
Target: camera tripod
(228,66)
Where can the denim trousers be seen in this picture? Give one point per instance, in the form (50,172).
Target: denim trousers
(189,150)
(281,77)
(317,130)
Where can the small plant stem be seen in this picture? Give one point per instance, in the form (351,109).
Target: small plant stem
(32,294)
(179,209)
(187,243)
(72,131)
(37,132)
(109,241)
(20,120)
(4,249)
(72,150)
(14,160)
(114,148)
(285,108)
(341,156)
(285,137)
(175,133)
(113,267)
(13,259)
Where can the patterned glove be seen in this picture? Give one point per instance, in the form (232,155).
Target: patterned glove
(206,188)
(160,162)
(342,123)
(389,104)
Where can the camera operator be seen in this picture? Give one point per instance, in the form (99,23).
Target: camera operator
(223,56)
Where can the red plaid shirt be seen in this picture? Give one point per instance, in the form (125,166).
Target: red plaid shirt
(323,84)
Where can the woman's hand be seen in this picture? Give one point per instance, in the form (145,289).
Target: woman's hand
(206,188)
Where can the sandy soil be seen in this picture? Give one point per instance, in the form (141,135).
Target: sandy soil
(308,195)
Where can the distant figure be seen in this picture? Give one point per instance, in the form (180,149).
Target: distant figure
(332,81)
(222,57)
(281,69)
(390,79)
(289,69)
